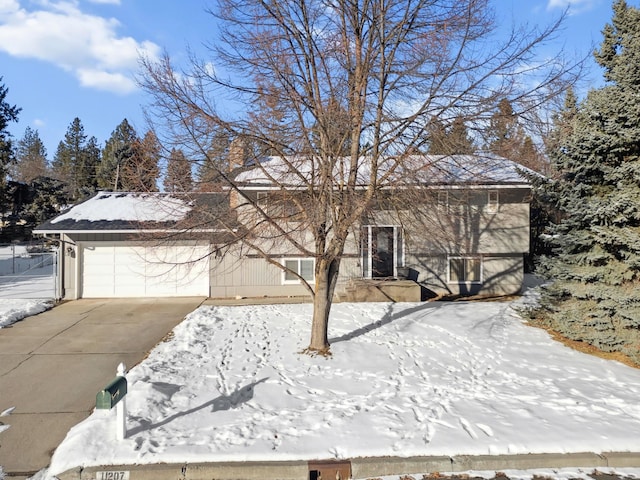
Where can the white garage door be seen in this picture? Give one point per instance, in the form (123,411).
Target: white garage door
(144,271)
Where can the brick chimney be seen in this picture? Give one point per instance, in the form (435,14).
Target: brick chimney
(236,161)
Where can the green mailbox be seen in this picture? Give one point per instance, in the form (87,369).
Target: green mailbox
(112,393)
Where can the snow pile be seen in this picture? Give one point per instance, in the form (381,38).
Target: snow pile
(133,207)
(533,474)
(12,310)
(404,380)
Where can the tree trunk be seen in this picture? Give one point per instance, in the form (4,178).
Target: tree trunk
(326,279)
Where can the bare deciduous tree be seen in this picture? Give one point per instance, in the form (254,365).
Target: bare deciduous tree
(342,92)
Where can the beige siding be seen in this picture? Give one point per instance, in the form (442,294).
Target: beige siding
(501,275)
(247,276)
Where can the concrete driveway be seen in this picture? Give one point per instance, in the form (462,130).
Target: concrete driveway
(53,364)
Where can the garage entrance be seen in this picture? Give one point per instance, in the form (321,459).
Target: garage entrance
(116,270)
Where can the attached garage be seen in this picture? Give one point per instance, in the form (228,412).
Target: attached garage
(123,244)
(116,270)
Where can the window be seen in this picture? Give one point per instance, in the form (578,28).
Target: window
(443,201)
(305,267)
(493,202)
(465,269)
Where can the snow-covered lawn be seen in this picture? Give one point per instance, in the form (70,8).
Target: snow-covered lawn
(12,310)
(437,378)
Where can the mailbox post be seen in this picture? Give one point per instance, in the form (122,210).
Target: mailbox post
(114,395)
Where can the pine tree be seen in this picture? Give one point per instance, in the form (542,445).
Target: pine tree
(595,297)
(460,139)
(93,158)
(437,138)
(215,161)
(140,173)
(8,113)
(49,197)
(31,158)
(178,177)
(74,163)
(452,140)
(117,152)
(505,135)
(508,139)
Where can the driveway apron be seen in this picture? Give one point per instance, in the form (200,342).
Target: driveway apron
(53,364)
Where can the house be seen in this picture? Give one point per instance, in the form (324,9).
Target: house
(471,239)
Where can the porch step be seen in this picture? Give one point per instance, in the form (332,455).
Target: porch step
(382,290)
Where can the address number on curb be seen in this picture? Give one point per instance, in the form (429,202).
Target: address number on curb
(122,475)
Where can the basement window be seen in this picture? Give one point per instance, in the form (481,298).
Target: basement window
(304,267)
(465,270)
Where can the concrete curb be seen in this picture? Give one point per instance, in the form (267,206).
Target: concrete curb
(360,467)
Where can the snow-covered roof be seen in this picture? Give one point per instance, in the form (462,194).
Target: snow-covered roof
(133,207)
(128,211)
(484,169)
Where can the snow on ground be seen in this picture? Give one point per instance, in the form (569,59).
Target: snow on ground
(12,310)
(26,275)
(433,378)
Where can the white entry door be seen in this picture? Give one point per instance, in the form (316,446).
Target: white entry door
(114,270)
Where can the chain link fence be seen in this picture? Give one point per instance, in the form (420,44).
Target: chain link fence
(28,271)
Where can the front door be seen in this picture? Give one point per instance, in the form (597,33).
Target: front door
(382,252)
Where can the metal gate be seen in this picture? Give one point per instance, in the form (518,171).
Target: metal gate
(28,272)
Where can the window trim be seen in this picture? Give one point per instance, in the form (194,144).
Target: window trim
(399,249)
(465,257)
(297,281)
(442,200)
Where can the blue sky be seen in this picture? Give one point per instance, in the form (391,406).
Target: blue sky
(62,59)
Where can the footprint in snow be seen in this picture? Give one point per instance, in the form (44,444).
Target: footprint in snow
(468,428)
(486,429)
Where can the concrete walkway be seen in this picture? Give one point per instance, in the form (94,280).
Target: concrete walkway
(53,364)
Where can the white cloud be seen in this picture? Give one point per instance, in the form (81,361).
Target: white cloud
(86,45)
(101,80)
(575,6)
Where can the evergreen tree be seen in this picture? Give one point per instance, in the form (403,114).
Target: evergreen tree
(141,172)
(117,152)
(178,177)
(508,139)
(31,158)
(505,134)
(562,122)
(8,113)
(216,161)
(73,164)
(48,198)
(595,297)
(437,138)
(452,140)
(93,159)
(459,138)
